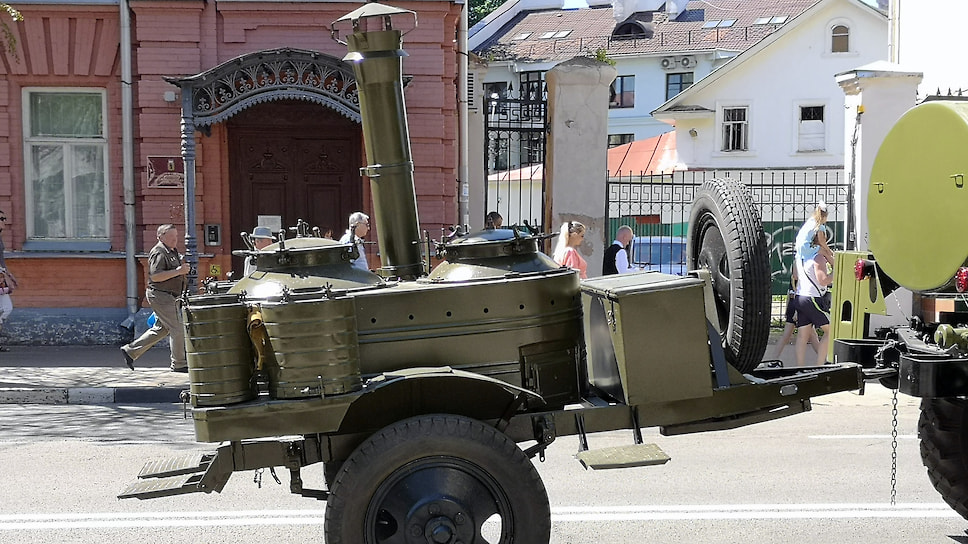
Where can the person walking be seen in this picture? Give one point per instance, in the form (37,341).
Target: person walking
(166,282)
(8,282)
(616,260)
(812,305)
(566,250)
(791,320)
(359,226)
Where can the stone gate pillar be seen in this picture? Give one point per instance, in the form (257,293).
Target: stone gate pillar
(575,164)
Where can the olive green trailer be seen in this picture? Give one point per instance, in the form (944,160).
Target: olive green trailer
(415,390)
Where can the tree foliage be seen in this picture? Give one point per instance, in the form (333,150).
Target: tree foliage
(480,9)
(8,41)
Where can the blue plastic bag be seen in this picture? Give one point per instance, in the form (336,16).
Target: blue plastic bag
(152,319)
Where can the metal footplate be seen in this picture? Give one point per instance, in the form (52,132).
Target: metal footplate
(176,466)
(190,473)
(633,455)
(153,488)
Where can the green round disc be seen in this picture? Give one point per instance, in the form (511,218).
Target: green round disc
(917,204)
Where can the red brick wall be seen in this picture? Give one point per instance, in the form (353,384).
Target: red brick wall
(78,46)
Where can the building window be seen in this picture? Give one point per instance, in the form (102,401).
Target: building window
(66,165)
(735,129)
(676,83)
(622,93)
(811,134)
(840,39)
(615,140)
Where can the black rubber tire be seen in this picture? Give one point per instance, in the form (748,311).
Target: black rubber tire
(330,470)
(726,236)
(943,428)
(437,473)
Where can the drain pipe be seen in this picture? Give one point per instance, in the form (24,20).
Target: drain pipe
(463,198)
(127,166)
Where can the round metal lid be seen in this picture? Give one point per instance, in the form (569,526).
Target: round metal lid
(917,204)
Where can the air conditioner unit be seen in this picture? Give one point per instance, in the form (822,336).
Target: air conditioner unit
(687,62)
(668,63)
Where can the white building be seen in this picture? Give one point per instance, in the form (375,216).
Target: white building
(778,105)
(746,83)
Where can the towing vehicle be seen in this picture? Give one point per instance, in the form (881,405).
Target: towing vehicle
(917,217)
(427,394)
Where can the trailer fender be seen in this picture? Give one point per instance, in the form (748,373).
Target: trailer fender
(397,395)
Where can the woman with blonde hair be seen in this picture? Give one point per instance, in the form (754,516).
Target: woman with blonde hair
(814,227)
(566,252)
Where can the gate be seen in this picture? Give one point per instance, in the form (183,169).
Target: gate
(514,140)
(657,208)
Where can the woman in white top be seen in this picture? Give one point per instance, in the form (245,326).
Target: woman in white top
(813,307)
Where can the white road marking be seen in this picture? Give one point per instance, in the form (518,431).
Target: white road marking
(861,437)
(561,514)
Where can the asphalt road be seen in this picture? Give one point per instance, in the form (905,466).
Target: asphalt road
(822,477)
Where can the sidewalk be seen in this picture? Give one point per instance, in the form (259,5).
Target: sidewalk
(98,375)
(86,375)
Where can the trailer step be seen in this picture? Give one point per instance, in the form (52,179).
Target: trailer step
(152,488)
(176,466)
(633,455)
(189,473)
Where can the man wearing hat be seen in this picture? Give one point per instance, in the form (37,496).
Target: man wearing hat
(261,237)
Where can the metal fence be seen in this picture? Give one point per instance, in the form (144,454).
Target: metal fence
(514,139)
(657,208)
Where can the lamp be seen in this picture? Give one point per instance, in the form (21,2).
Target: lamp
(693,132)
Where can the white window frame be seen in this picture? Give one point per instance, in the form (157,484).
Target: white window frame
(803,133)
(829,37)
(721,127)
(71,238)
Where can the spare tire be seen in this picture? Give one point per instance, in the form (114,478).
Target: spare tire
(726,237)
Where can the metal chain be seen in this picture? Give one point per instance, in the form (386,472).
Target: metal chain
(894,448)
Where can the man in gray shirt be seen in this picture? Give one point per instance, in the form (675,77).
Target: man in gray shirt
(166,282)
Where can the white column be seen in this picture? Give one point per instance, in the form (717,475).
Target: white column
(881,92)
(576,162)
(877,95)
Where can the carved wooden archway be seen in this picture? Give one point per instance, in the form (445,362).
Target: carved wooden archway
(221,92)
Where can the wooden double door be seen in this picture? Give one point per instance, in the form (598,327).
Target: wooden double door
(293,159)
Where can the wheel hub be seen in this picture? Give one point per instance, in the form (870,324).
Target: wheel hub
(439,530)
(441,521)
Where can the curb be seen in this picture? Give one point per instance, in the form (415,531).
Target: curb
(90,395)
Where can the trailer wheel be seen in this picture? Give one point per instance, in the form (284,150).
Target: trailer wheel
(943,428)
(439,478)
(726,237)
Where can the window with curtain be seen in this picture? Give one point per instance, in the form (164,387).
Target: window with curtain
(66,166)
(811,134)
(735,129)
(840,39)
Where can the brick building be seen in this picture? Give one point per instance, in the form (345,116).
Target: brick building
(272,125)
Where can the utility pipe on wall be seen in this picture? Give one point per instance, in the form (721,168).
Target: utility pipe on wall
(463,169)
(127,163)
